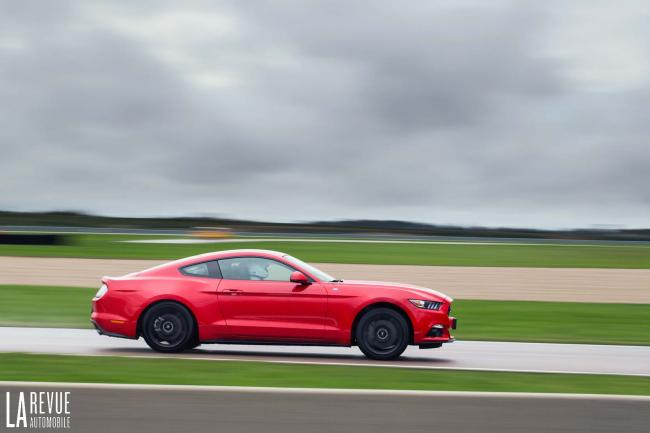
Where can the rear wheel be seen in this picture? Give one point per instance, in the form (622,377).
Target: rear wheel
(382,333)
(168,327)
(193,344)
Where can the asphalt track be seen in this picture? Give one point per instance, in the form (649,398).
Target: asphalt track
(124,408)
(470,355)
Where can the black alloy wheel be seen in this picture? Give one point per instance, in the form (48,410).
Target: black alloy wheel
(382,333)
(168,327)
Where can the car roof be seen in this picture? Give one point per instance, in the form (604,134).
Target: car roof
(211,256)
(230,253)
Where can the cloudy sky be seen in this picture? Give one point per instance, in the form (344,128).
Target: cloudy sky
(454,112)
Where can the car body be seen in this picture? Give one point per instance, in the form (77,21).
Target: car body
(267,297)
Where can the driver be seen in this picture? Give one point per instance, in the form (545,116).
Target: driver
(258,271)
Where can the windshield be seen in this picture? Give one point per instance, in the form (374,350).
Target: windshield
(322,276)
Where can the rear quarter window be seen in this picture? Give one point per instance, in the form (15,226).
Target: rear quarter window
(205,269)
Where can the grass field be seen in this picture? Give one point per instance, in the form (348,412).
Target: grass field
(553,322)
(539,255)
(48,306)
(23,367)
(556,322)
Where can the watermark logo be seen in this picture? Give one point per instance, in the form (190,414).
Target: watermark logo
(45,409)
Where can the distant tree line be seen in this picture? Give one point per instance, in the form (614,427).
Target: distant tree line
(76,219)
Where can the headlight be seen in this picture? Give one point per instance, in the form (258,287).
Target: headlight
(101,292)
(427,305)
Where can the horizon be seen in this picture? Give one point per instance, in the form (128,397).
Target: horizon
(602,227)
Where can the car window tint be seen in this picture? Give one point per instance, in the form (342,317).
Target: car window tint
(255,269)
(198,270)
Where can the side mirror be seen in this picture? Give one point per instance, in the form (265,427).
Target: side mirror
(299,278)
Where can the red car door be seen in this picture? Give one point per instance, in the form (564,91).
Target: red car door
(258,302)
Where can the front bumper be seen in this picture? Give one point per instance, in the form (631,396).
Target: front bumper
(435,345)
(434,331)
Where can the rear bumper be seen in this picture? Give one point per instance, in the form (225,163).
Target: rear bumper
(106,322)
(102,331)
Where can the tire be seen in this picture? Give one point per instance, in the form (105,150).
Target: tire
(382,333)
(168,327)
(193,344)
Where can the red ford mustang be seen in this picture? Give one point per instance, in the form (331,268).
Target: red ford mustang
(267,297)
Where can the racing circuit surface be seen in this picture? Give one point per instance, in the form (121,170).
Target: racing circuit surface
(162,408)
(473,355)
(123,408)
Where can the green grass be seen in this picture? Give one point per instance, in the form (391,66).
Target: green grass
(553,322)
(47,306)
(58,368)
(556,255)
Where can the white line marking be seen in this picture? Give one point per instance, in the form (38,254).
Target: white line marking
(354,391)
(367,241)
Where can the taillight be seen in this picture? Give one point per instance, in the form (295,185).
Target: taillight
(101,292)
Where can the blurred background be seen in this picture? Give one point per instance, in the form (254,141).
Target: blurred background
(496,151)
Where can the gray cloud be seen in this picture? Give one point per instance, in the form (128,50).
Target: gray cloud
(498,113)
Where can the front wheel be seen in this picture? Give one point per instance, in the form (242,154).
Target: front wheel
(382,334)
(168,327)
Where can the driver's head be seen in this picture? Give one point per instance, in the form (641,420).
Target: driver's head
(258,271)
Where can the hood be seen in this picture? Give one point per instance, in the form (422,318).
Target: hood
(415,290)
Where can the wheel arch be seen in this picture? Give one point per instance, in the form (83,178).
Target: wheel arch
(381,304)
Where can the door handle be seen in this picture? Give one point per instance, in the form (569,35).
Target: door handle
(232,291)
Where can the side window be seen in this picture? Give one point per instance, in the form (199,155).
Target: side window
(254,268)
(205,269)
